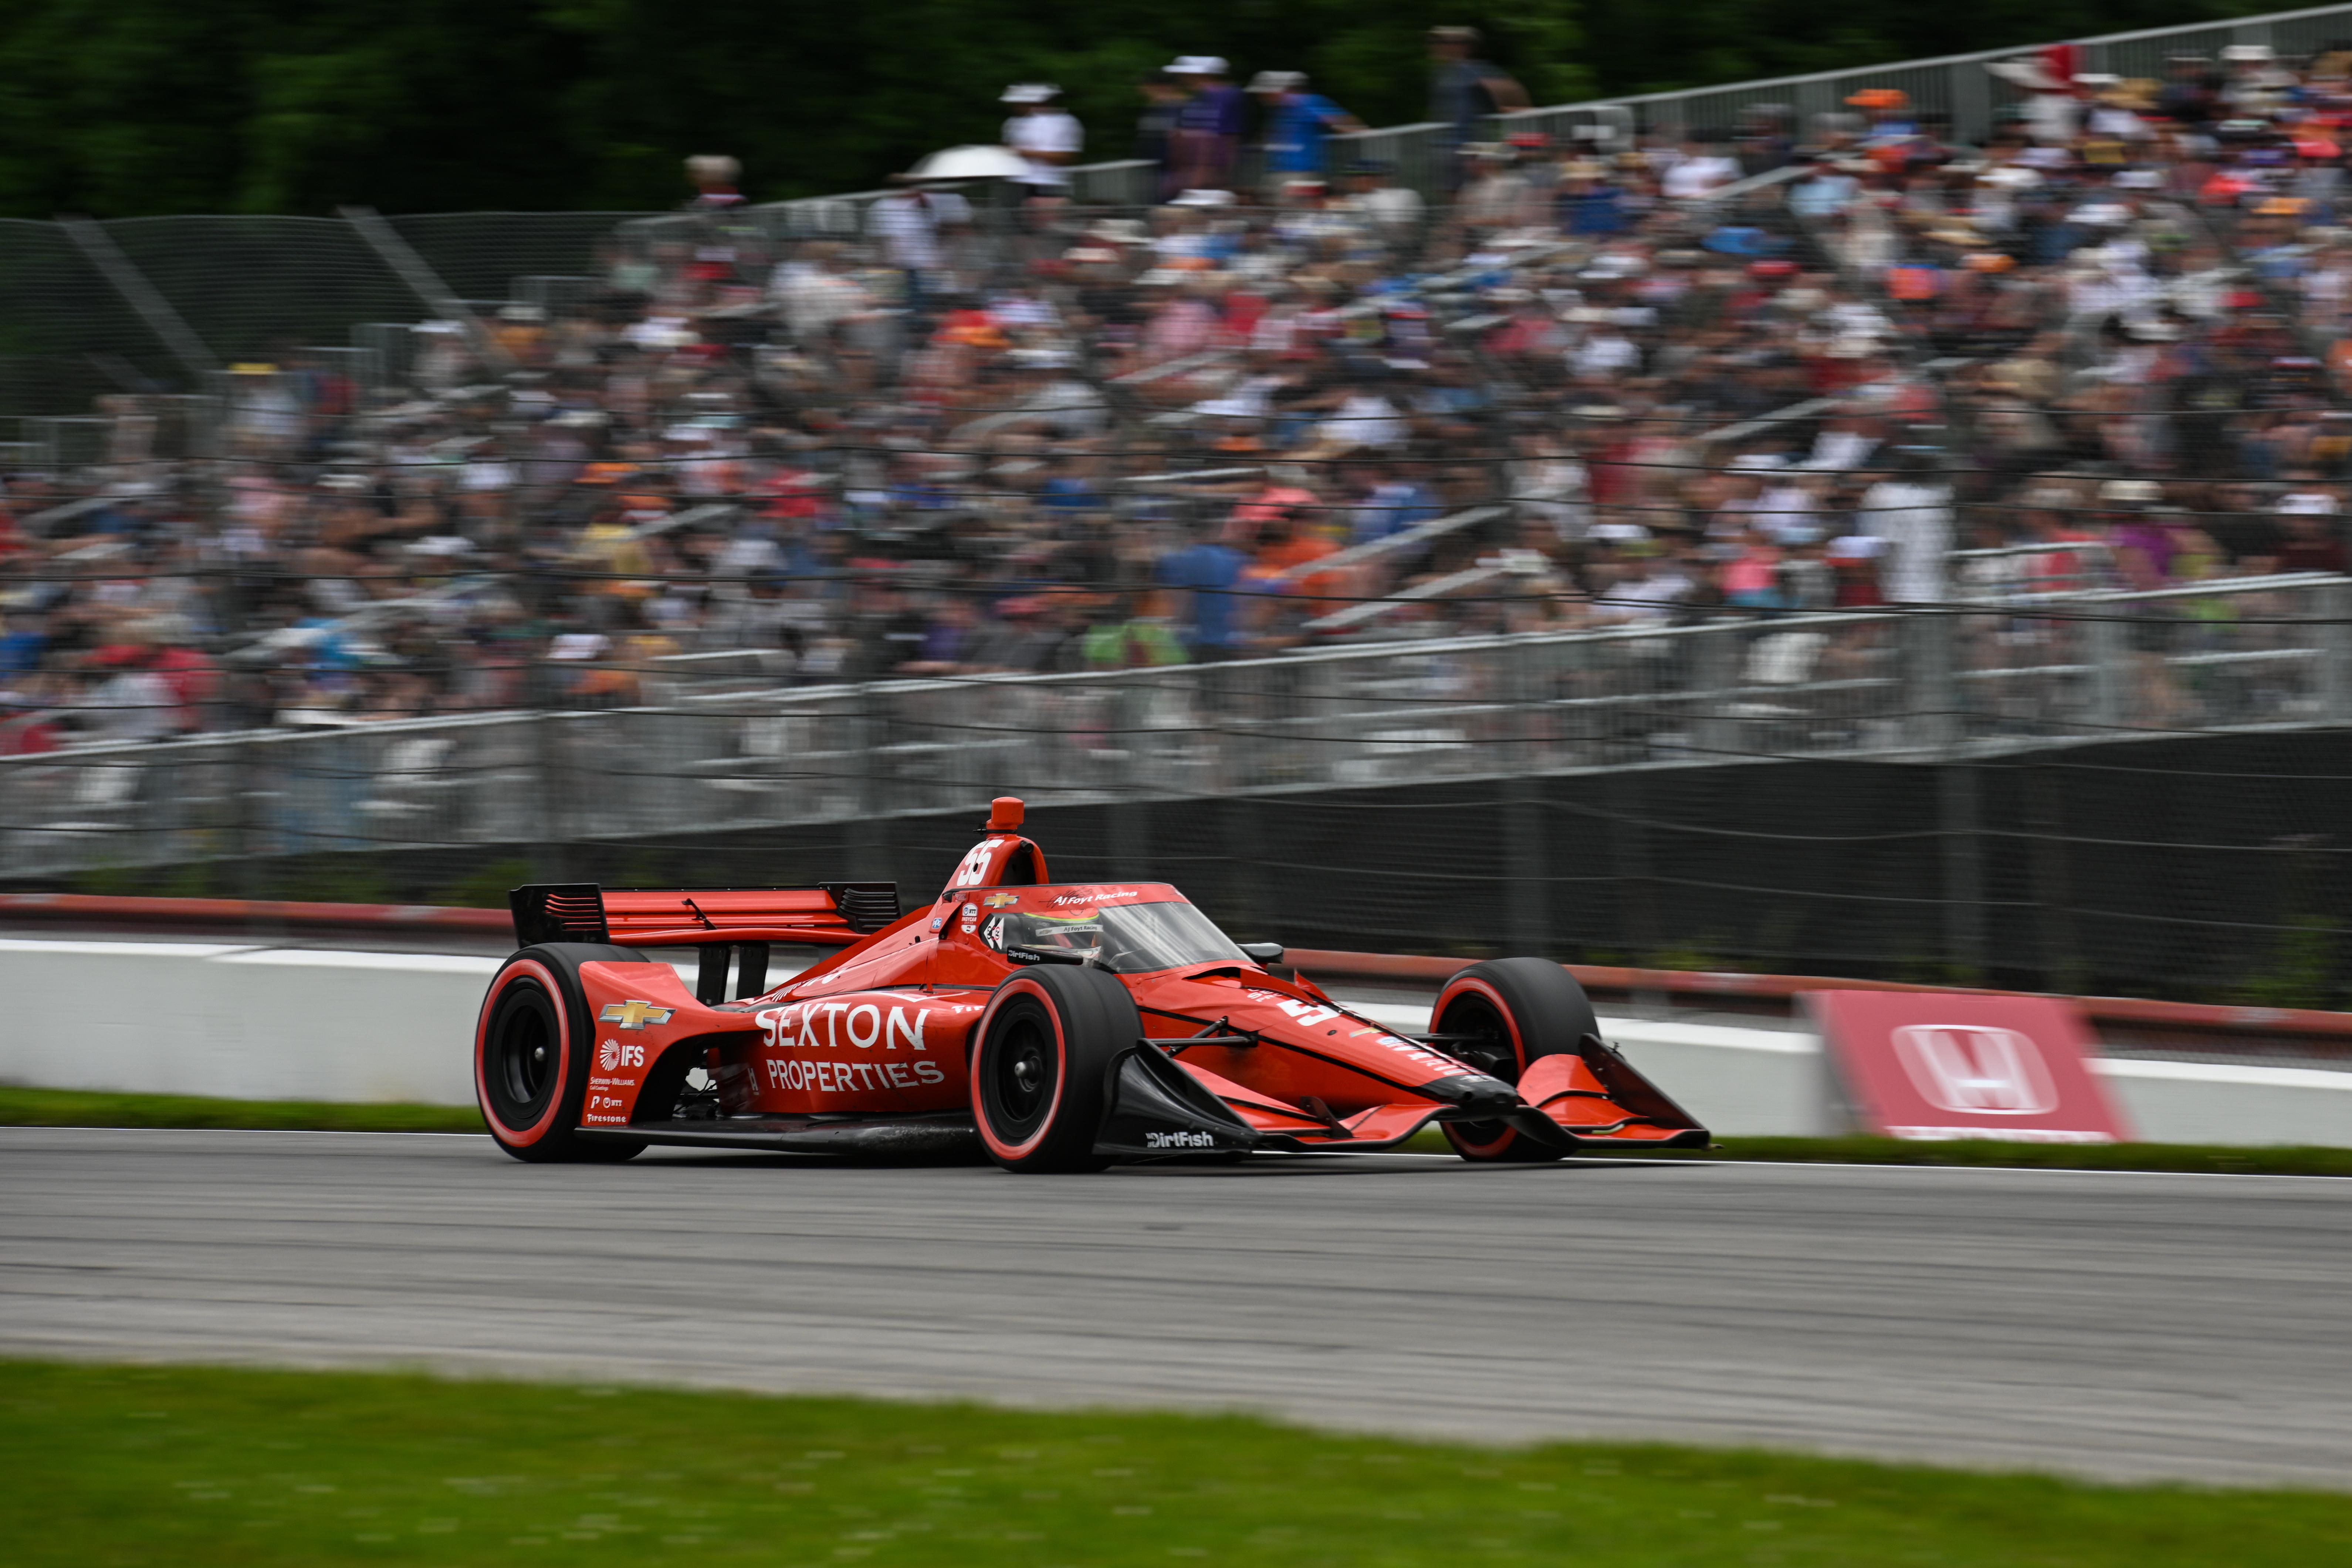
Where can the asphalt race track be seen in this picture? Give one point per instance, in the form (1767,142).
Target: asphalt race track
(2112,1324)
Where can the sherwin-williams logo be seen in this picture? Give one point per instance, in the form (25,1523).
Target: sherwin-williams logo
(1976,1070)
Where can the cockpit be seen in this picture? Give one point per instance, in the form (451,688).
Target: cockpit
(1125,930)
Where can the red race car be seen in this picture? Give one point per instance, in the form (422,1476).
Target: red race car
(1063,1025)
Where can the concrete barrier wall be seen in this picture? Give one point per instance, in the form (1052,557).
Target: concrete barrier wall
(304,1024)
(250,1023)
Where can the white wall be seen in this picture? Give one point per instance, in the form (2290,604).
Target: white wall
(301,1024)
(249,1023)
(2205,1103)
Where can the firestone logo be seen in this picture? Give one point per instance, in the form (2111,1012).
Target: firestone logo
(1976,1070)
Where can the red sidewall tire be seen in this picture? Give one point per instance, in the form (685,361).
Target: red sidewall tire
(522,971)
(1018,999)
(1065,1021)
(1542,1012)
(539,1118)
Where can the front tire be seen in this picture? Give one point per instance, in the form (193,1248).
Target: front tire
(1041,1071)
(1515,1011)
(533,1046)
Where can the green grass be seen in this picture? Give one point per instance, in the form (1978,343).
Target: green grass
(75,1107)
(184,1466)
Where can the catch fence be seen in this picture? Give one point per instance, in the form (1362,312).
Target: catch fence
(1868,793)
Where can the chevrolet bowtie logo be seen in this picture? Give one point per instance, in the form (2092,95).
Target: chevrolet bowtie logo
(998,900)
(632,1015)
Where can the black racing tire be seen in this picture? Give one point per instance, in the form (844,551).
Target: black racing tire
(1517,1010)
(1041,1069)
(535,1047)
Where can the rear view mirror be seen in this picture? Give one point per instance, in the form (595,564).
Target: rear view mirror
(1262,951)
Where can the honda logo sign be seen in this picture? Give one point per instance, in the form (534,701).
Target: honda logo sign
(1939,1065)
(1974,1068)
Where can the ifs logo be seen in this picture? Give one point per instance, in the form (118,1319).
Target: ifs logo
(1974,1068)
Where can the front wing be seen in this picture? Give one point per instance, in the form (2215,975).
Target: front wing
(1594,1099)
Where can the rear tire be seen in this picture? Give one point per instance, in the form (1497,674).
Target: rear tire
(1518,1010)
(533,1049)
(1042,1069)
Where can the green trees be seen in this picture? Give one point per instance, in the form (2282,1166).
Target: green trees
(118,107)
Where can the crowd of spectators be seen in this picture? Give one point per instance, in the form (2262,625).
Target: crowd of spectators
(1584,380)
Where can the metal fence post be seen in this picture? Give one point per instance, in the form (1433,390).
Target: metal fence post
(1716,658)
(248,840)
(2111,671)
(1525,866)
(2335,654)
(1629,844)
(1246,881)
(2052,881)
(1957,809)
(875,795)
(1130,818)
(1972,90)
(1932,693)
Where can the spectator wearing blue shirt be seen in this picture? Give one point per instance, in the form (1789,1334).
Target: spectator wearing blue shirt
(1298,125)
(1072,489)
(1390,505)
(1590,202)
(1210,573)
(24,641)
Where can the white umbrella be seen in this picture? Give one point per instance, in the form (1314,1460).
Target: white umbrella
(975,163)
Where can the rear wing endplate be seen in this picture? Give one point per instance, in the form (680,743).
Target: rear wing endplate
(833,914)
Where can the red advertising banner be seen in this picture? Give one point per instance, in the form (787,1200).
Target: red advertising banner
(1928,1066)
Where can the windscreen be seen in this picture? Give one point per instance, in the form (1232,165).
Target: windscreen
(1126,939)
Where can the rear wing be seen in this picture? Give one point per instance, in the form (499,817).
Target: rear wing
(833,914)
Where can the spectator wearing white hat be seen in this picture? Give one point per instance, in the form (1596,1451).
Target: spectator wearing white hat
(1208,135)
(1047,136)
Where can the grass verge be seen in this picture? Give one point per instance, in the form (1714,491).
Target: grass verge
(74,1108)
(198,1466)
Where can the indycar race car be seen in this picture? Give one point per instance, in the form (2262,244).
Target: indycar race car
(1061,1026)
